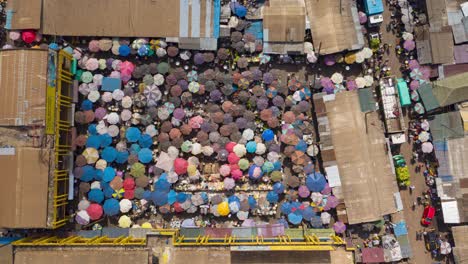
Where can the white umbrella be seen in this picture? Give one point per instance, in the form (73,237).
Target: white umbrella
(360,57)
(308,47)
(325,218)
(234,207)
(173,152)
(316,197)
(273,156)
(445,248)
(83,204)
(360,82)
(107,97)
(151,130)
(172,177)
(93,96)
(337,78)
(240,150)
(423,136)
(194,87)
(367,52)
(369,80)
(427,147)
(185,55)
(158,79)
(101,164)
(407,36)
(196,148)
(118,94)
(311,57)
(242,215)
(125,205)
(248,134)
(113,118)
(261,148)
(83,216)
(312,150)
(126,115)
(113,130)
(101,128)
(207,151)
(127,102)
(161,52)
(96,185)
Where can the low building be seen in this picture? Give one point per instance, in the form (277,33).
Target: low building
(460,237)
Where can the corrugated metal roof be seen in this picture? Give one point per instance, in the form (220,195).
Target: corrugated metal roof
(427,97)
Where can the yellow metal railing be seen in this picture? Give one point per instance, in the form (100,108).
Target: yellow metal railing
(62,140)
(80,241)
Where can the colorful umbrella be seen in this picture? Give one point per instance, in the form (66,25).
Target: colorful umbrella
(427,147)
(316,182)
(111,207)
(303,191)
(339,227)
(294,219)
(94,211)
(409,45)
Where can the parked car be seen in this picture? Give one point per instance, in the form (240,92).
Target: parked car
(428,215)
(430,239)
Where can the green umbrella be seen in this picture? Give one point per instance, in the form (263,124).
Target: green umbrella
(137,170)
(186,146)
(276,176)
(243,164)
(78,74)
(148,79)
(87,77)
(163,68)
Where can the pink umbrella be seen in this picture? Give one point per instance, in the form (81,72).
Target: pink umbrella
(332,202)
(339,227)
(236,174)
(229,183)
(196,122)
(427,147)
(414,84)
(92,64)
(426,72)
(330,60)
(180,166)
(409,45)
(413,64)
(326,83)
(362,17)
(351,85)
(327,189)
(127,68)
(303,191)
(225,170)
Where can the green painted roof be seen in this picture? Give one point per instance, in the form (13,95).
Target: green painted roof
(451,90)
(446,126)
(427,97)
(366,100)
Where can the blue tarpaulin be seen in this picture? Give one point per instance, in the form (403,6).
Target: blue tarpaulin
(400,229)
(256,29)
(110,84)
(373,7)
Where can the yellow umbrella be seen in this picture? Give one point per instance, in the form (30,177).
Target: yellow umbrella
(125,221)
(91,155)
(223,208)
(119,194)
(192,170)
(339,58)
(146,225)
(350,58)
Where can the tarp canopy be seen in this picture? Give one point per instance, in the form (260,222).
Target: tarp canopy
(451,90)
(373,255)
(427,97)
(446,126)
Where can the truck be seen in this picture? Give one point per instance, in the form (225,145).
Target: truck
(374,11)
(392,113)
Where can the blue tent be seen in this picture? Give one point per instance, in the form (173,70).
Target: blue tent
(88,174)
(94,141)
(308,213)
(286,208)
(109,154)
(124,50)
(133,134)
(316,182)
(111,207)
(122,157)
(106,140)
(109,174)
(171,197)
(251,146)
(252,202)
(159,198)
(268,135)
(86,105)
(278,188)
(96,195)
(162,185)
(145,141)
(181,197)
(92,129)
(294,218)
(145,155)
(272,197)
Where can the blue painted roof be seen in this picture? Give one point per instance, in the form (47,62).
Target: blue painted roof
(373,7)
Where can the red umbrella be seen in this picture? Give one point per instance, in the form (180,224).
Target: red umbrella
(178,207)
(94,211)
(129,184)
(196,121)
(180,166)
(28,36)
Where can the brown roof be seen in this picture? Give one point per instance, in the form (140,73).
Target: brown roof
(25,14)
(460,237)
(360,157)
(442,46)
(437,13)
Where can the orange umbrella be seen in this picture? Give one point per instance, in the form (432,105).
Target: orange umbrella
(298,157)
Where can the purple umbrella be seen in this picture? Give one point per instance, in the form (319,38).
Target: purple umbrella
(179,113)
(327,189)
(303,191)
(327,83)
(198,59)
(268,78)
(409,45)
(339,227)
(332,202)
(229,183)
(413,64)
(351,85)
(414,84)
(330,60)
(362,17)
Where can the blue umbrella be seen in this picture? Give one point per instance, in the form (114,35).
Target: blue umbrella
(294,218)
(108,191)
(124,50)
(99,175)
(86,105)
(122,157)
(96,195)
(283,222)
(271,92)
(159,198)
(204,197)
(251,146)
(171,197)
(252,202)
(145,155)
(316,182)
(316,221)
(92,129)
(145,141)
(134,149)
(255,172)
(111,207)
(109,174)
(286,208)
(143,51)
(301,146)
(106,140)
(133,134)
(238,9)
(88,173)
(268,167)
(93,141)
(181,197)
(278,188)
(268,135)
(272,197)
(277,165)
(233,198)
(147,195)
(162,185)
(308,213)
(109,154)
(309,168)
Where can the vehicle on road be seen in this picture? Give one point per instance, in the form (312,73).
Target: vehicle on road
(428,215)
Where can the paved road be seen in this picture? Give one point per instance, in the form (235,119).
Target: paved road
(411,216)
